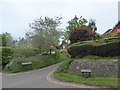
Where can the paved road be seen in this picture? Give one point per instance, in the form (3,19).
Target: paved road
(32,79)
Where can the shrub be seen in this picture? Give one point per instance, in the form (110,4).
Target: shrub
(80,34)
(7,54)
(96,36)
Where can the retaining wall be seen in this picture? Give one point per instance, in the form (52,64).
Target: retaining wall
(97,67)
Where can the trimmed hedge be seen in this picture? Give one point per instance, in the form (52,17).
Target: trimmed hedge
(93,48)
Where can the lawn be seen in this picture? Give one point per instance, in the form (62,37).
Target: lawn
(107,82)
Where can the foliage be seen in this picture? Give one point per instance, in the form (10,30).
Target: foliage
(25,52)
(76,23)
(6,39)
(23,43)
(7,54)
(94,48)
(96,36)
(81,34)
(45,32)
(63,68)
(37,62)
(92,25)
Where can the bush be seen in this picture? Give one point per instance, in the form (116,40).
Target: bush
(94,48)
(96,36)
(80,34)
(7,54)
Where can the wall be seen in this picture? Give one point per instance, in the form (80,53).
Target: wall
(98,67)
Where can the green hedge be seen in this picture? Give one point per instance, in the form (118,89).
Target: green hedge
(7,54)
(94,48)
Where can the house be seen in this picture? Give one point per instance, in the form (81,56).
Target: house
(115,29)
(63,47)
(108,31)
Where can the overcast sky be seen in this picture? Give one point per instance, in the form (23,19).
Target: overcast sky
(15,15)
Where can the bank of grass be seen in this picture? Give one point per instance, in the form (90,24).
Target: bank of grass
(37,62)
(62,73)
(107,82)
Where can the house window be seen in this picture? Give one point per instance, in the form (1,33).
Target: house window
(118,30)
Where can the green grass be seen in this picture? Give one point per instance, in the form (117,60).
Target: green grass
(109,82)
(37,62)
(90,57)
(62,73)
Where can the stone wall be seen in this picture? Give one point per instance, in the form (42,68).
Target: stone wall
(97,67)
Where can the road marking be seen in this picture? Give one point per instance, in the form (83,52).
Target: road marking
(68,83)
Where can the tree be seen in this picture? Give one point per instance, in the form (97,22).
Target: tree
(7,39)
(45,32)
(74,23)
(77,23)
(92,25)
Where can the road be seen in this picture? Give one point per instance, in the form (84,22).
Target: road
(31,79)
(40,78)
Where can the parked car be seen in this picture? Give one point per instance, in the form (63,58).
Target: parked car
(44,53)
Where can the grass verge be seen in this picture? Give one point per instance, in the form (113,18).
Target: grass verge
(108,82)
(62,73)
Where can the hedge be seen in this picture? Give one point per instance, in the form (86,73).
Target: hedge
(7,54)
(93,48)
